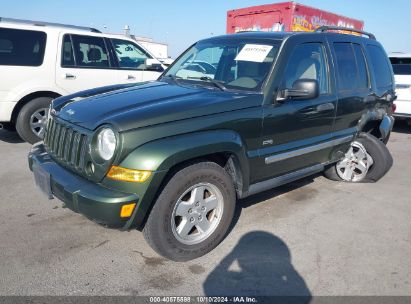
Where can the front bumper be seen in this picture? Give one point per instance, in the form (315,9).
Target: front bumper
(93,200)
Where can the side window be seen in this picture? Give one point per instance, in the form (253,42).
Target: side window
(67,56)
(90,52)
(22,47)
(348,77)
(308,61)
(363,81)
(129,55)
(381,66)
(6,46)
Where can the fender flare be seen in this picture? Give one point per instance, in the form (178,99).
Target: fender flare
(163,154)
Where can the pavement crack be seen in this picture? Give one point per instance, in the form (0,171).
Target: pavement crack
(101,244)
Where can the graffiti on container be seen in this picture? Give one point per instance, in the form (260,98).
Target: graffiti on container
(276,27)
(304,24)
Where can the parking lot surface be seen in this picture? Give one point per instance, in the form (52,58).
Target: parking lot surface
(313,237)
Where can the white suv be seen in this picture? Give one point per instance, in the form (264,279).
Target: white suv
(401,64)
(41,61)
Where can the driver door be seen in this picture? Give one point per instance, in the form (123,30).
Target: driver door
(294,130)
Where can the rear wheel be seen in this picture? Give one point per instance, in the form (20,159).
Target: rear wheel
(193,212)
(367,160)
(32,118)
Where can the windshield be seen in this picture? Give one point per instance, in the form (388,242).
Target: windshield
(228,64)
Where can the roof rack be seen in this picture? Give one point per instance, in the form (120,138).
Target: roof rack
(327,28)
(42,23)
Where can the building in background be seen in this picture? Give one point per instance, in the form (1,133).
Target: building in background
(285,16)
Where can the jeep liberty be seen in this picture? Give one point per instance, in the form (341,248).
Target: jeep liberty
(234,115)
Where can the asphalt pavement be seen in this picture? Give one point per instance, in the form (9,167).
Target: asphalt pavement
(313,237)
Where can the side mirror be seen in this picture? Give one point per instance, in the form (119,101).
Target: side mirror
(167,61)
(302,89)
(154,64)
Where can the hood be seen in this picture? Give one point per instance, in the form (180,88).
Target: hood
(134,106)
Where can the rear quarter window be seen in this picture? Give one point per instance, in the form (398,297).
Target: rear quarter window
(22,47)
(381,66)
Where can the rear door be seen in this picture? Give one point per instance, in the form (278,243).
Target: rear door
(84,63)
(353,83)
(295,131)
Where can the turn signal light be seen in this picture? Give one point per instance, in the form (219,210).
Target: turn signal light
(127,210)
(128,175)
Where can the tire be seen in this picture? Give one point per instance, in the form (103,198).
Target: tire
(25,117)
(381,160)
(164,222)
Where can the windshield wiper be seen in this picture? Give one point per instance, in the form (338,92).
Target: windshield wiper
(173,77)
(216,83)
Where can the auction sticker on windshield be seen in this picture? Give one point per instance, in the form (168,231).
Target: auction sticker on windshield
(254,52)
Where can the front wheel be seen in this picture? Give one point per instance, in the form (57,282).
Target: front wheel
(367,160)
(193,212)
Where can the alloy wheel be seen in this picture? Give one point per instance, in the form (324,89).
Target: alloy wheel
(197,213)
(356,163)
(38,122)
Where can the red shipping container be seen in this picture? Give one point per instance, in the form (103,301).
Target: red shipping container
(285,16)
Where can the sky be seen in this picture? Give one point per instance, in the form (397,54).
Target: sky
(180,23)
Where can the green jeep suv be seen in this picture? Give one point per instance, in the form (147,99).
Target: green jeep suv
(233,116)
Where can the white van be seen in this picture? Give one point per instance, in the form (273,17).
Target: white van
(401,64)
(41,61)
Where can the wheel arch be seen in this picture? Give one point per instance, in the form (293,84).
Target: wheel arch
(26,99)
(170,155)
(377,123)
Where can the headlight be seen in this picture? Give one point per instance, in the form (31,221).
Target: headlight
(106,143)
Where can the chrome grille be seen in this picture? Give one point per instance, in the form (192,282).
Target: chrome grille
(66,144)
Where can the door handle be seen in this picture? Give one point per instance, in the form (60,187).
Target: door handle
(69,76)
(325,107)
(130,77)
(317,109)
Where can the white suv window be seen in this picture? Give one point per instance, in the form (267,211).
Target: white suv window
(401,65)
(129,55)
(22,47)
(85,52)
